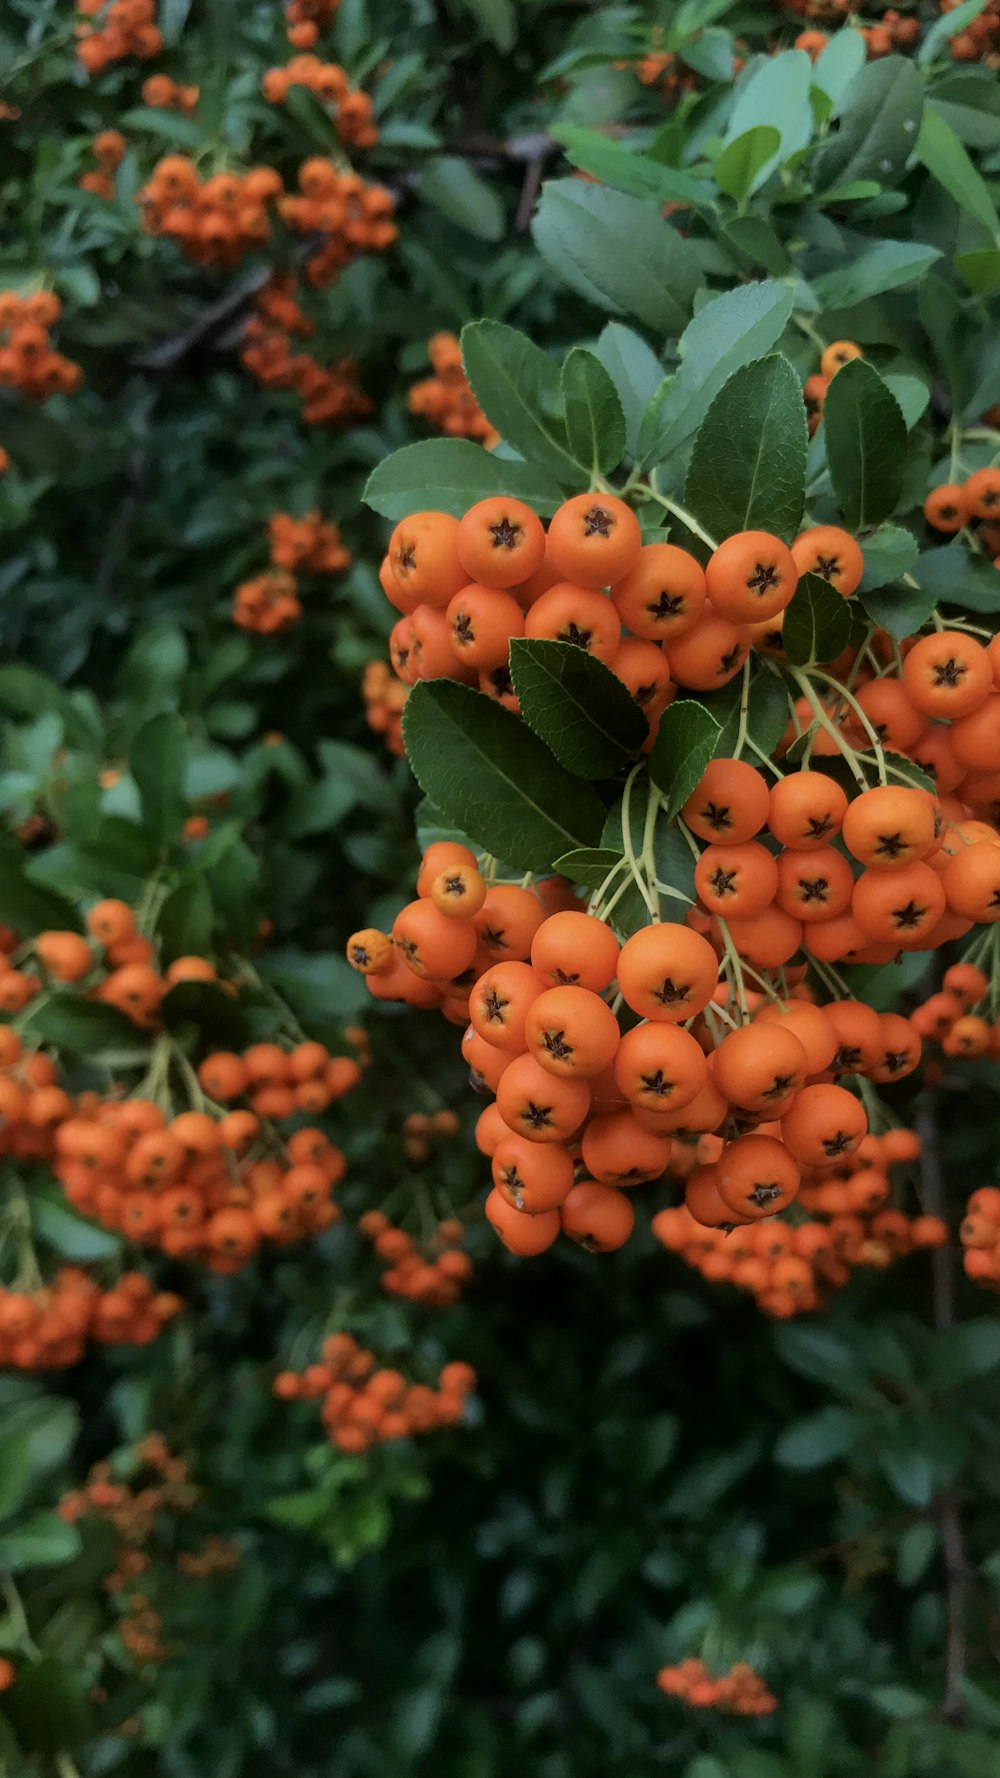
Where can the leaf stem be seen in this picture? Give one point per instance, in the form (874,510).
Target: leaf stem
(805,686)
(681,512)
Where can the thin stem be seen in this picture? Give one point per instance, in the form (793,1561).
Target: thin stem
(601,891)
(823,719)
(741,732)
(868,727)
(681,512)
(735,970)
(633,862)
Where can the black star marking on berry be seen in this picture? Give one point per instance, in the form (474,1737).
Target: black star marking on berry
(847,1059)
(671,993)
(538,1117)
(780,1085)
(950,672)
(505,535)
(462,628)
(718,815)
(657,1084)
(827,566)
(890,845)
(555,1044)
(667,605)
(894,1060)
(818,827)
(728,661)
(763,578)
(835,1145)
(815,889)
(573,633)
(597,522)
(643,695)
(494,1006)
(723,882)
(494,938)
(454,886)
(764,1194)
(908,919)
(360,956)
(501,682)
(566,980)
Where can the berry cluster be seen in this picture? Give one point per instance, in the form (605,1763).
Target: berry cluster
(305,20)
(28,361)
(421,1132)
(436,1278)
(740,1692)
(953,505)
(445,400)
(197,1187)
(791,1268)
(384,697)
(126,28)
(279,1082)
(950,1017)
(353,216)
(48,1326)
(161,93)
(364,1405)
(109,148)
(352,111)
(834,357)
(116,966)
(215,221)
(141,1510)
(979,1233)
(328,393)
(269,602)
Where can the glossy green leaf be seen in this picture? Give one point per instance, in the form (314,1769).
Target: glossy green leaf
(595,419)
(888,265)
(635,174)
(742,163)
(452,186)
(618,252)
(686,740)
(865,444)
(727,332)
(574,703)
(450,475)
(748,465)
(517,386)
(817,622)
(38,1542)
(157,761)
(48,1707)
(948,162)
(487,772)
(774,94)
(878,119)
(635,371)
(956,577)
(818,1439)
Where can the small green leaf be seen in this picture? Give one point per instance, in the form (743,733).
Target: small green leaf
(740,163)
(887,265)
(84,1026)
(865,444)
(575,705)
(450,475)
(727,332)
(839,63)
(637,175)
(486,771)
(947,26)
(879,116)
(955,577)
(184,923)
(748,465)
(980,269)
(517,387)
(595,420)
(38,1542)
(908,1472)
(497,20)
(452,186)
(948,162)
(686,740)
(635,371)
(588,865)
(817,622)
(47,1707)
(29,907)
(774,94)
(157,761)
(818,1439)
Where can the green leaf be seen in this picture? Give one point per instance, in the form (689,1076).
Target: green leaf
(68,1234)
(29,907)
(452,186)
(914,1553)
(487,772)
(818,1439)
(155,667)
(912,394)
(184,923)
(817,622)
(767,710)
(588,866)
(497,20)
(738,166)
(84,1026)
(686,740)
(517,386)
(899,1701)
(574,703)
(168,126)
(726,333)
(450,475)
(957,578)
(887,265)
(618,252)
(635,174)
(635,371)
(757,241)
(157,761)
(908,1472)
(26,692)
(947,161)
(865,444)
(947,26)
(748,465)
(958,1354)
(38,1542)
(595,420)
(774,93)
(980,269)
(879,116)
(888,552)
(47,1707)
(839,63)
(902,610)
